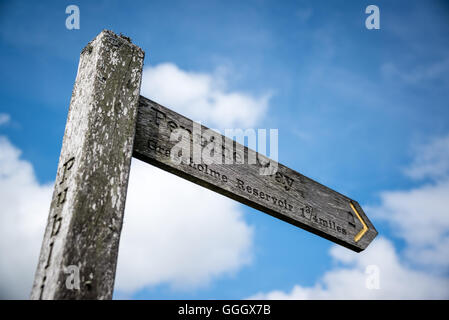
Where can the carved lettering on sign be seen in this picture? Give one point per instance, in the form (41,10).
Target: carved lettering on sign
(60,198)
(66,167)
(264,195)
(285,180)
(56,225)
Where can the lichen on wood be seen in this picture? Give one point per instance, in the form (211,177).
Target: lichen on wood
(86,212)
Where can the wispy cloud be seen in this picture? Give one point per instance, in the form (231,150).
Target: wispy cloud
(304,14)
(418,75)
(4,119)
(431,160)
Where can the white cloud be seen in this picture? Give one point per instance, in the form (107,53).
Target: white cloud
(420,216)
(24,210)
(396,281)
(178,233)
(4,118)
(184,243)
(202,97)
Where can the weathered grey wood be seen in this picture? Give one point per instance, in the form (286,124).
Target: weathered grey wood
(287,194)
(86,212)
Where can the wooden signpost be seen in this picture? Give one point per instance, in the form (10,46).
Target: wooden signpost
(284,194)
(109,122)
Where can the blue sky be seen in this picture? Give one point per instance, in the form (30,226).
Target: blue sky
(363,111)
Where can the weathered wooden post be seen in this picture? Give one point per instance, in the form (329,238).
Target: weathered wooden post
(79,252)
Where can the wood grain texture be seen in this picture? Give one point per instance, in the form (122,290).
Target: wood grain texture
(285,194)
(86,212)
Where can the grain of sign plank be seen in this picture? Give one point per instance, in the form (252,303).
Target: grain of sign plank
(285,194)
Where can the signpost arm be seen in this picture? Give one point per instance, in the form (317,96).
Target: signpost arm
(284,193)
(79,252)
